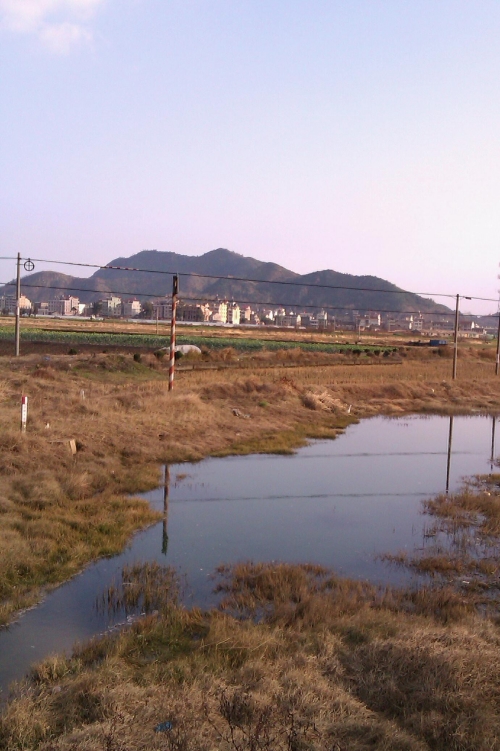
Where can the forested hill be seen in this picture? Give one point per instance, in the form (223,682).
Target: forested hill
(339,290)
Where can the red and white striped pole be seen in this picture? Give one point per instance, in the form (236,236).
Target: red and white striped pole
(18,304)
(171,368)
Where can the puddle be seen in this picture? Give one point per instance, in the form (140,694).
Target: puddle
(338,503)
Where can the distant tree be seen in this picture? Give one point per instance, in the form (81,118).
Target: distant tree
(147,309)
(97,308)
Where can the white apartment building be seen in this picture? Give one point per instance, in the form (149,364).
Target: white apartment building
(64,306)
(131,308)
(111,306)
(233,313)
(322,319)
(162,309)
(8,303)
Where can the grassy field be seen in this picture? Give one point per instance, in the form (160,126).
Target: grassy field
(355,668)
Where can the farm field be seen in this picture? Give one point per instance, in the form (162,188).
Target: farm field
(260,333)
(210,342)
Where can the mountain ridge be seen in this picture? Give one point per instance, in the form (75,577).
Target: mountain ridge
(246,280)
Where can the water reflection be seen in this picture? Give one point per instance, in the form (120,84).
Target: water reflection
(166,490)
(461,545)
(492,458)
(450,446)
(448,463)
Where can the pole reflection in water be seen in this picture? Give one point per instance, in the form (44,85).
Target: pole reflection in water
(492,459)
(166,489)
(448,464)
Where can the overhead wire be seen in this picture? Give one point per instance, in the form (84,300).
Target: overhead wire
(215,300)
(302,284)
(239,279)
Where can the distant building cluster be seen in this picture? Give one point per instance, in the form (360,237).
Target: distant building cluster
(230,312)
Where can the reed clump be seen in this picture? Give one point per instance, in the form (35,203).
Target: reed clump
(462,545)
(142,588)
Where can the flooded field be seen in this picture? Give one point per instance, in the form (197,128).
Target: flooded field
(339,503)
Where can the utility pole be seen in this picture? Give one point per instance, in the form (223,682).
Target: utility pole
(497,364)
(171,369)
(498,333)
(455,349)
(18,302)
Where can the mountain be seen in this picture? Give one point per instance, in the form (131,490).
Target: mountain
(331,289)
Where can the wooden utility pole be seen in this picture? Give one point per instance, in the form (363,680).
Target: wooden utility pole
(455,348)
(18,302)
(171,369)
(498,345)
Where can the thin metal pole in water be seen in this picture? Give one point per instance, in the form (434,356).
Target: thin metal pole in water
(492,443)
(455,348)
(18,302)
(448,465)
(171,368)
(498,346)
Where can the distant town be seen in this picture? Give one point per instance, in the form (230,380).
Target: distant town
(231,313)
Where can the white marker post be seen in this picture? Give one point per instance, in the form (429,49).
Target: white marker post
(24,413)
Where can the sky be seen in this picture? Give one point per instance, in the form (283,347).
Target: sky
(357,135)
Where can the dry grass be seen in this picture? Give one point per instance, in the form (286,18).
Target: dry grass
(331,664)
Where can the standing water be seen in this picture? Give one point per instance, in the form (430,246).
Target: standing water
(337,503)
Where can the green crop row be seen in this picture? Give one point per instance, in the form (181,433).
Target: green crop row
(155,341)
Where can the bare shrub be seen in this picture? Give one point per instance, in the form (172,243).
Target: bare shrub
(243,387)
(317,398)
(45,373)
(487,353)
(310,401)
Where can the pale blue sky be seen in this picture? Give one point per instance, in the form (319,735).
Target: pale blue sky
(360,135)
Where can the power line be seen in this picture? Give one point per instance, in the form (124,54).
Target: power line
(214,300)
(245,279)
(241,279)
